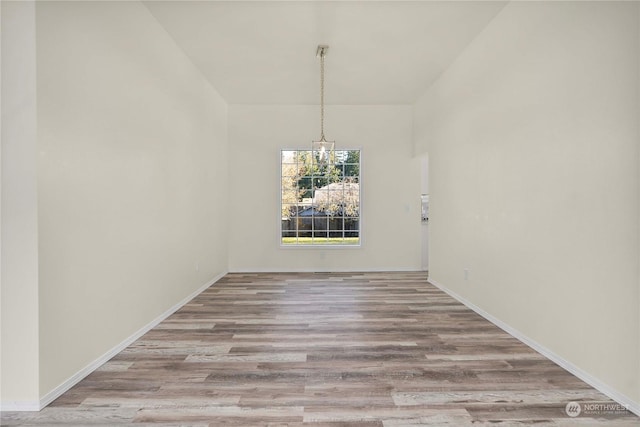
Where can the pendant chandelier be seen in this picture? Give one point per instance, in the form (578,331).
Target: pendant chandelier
(323,147)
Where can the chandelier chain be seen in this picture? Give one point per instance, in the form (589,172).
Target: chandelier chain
(322,96)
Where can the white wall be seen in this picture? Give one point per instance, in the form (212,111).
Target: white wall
(132,179)
(19,260)
(390,186)
(638,178)
(533,140)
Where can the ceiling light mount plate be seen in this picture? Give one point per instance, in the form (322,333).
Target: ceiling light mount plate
(322,50)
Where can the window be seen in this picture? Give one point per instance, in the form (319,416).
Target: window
(320,197)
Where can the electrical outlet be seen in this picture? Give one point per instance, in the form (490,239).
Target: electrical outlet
(466,274)
(197,266)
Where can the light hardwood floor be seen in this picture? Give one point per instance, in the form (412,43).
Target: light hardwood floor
(369,349)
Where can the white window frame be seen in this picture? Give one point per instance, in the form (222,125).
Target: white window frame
(319,245)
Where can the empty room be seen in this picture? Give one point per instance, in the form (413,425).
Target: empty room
(320,213)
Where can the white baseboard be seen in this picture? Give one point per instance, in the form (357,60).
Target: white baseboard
(20,405)
(323,270)
(82,373)
(568,366)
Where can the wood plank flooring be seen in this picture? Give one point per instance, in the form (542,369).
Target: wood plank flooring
(356,349)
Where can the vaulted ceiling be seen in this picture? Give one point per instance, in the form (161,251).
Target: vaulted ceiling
(381,52)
